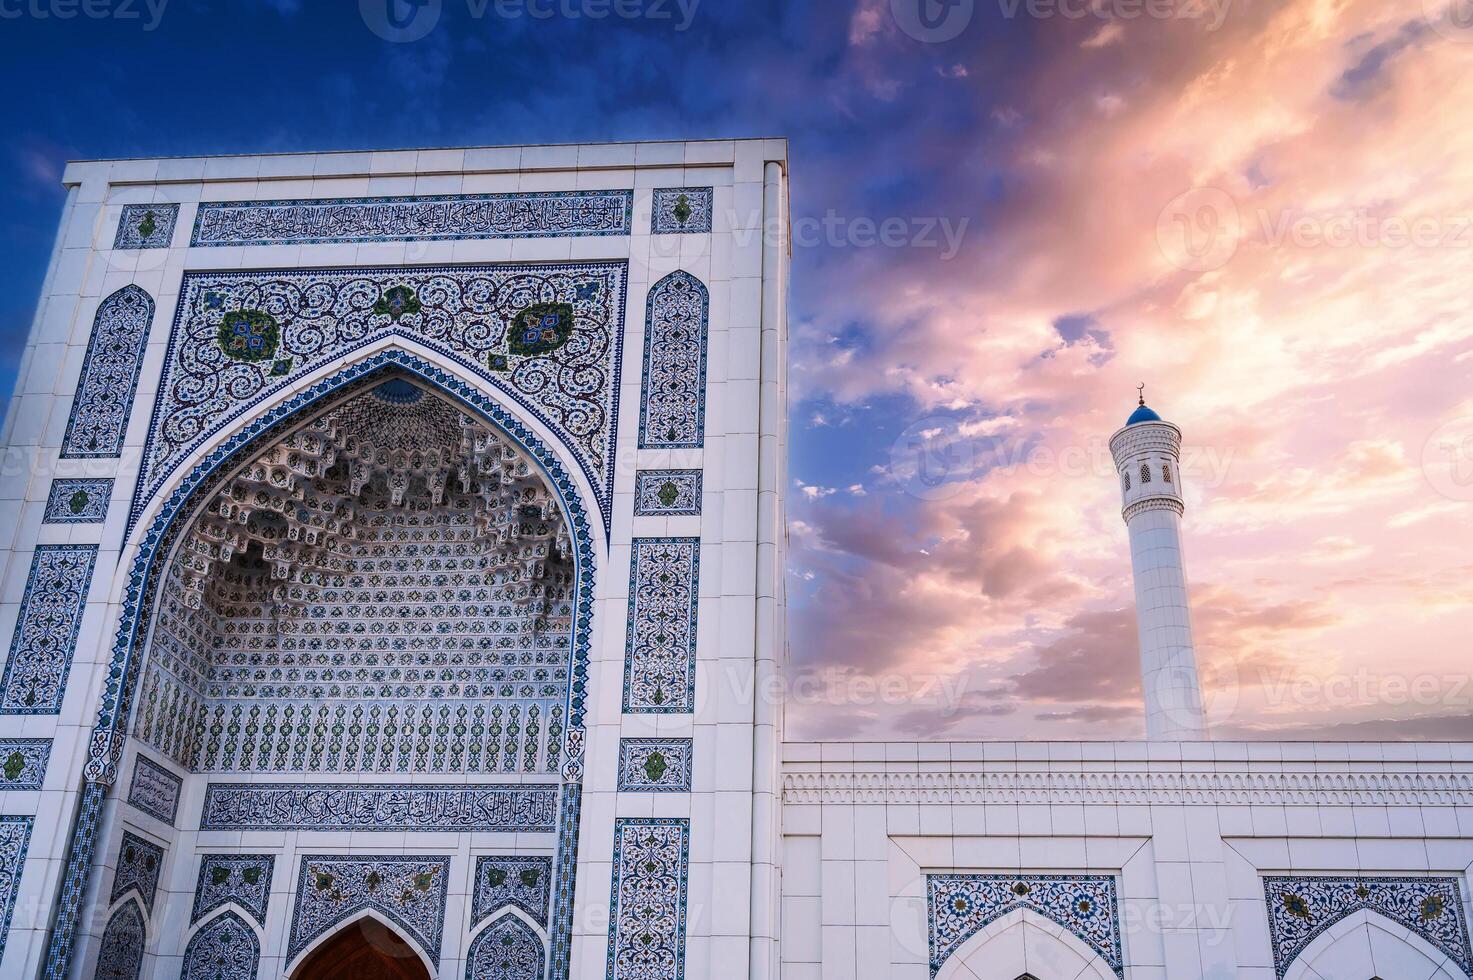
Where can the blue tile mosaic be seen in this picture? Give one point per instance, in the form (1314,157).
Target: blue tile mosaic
(681,210)
(961,905)
(660,645)
(146,226)
(672,410)
(139,865)
(104,399)
(241,879)
(667,493)
(15,838)
(560,941)
(226,948)
(523,881)
(1301,907)
(46,629)
(655,765)
(83,845)
(547,336)
(408,890)
(77,502)
(542,214)
(647,906)
(23,763)
(120,954)
(154,790)
(530,808)
(508,949)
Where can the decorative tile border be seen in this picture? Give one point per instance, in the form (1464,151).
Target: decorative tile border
(80,851)
(46,629)
(660,642)
(528,808)
(655,765)
(242,879)
(77,502)
(958,906)
(409,890)
(15,838)
(139,864)
(225,949)
(560,940)
(672,408)
(421,219)
(23,763)
(146,226)
(667,493)
(1301,907)
(647,906)
(524,881)
(104,398)
(154,790)
(681,210)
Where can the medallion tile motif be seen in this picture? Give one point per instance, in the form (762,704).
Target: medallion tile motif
(672,412)
(78,502)
(23,763)
(660,649)
(1300,908)
(104,399)
(507,950)
(244,879)
(655,765)
(139,864)
(146,226)
(404,219)
(239,338)
(361,806)
(225,949)
(678,210)
(961,905)
(154,790)
(15,838)
(408,890)
(120,954)
(519,880)
(46,629)
(647,907)
(667,493)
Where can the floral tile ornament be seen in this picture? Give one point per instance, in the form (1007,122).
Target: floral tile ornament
(660,645)
(408,890)
(1301,907)
(681,210)
(23,763)
(241,879)
(15,838)
(120,953)
(667,493)
(648,906)
(146,226)
(139,865)
(77,501)
(523,881)
(961,905)
(508,950)
(46,629)
(655,765)
(672,410)
(225,949)
(104,399)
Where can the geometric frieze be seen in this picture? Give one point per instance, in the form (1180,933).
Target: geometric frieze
(104,398)
(530,808)
(146,226)
(77,502)
(660,645)
(672,410)
(408,890)
(1301,907)
(244,879)
(46,629)
(547,336)
(681,210)
(648,903)
(425,218)
(960,905)
(667,493)
(520,880)
(154,790)
(654,765)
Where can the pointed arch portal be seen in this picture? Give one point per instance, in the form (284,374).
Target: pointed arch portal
(363,950)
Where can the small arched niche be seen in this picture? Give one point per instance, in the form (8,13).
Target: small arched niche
(363,950)
(385,588)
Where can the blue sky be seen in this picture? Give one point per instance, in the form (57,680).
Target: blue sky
(1055,149)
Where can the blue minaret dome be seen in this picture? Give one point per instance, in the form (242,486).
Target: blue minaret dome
(1142,413)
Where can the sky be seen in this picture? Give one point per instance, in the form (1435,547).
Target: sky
(1007,215)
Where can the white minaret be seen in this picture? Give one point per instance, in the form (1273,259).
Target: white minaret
(1147,453)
